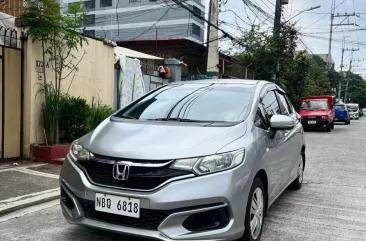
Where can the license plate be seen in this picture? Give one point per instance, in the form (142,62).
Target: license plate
(311,122)
(336,118)
(124,206)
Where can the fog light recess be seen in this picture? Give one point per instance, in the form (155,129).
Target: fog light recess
(208,220)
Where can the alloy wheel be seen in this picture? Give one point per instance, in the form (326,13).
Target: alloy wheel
(256,213)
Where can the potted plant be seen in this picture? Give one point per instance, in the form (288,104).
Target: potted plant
(60,38)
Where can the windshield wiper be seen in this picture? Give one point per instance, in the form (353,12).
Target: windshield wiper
(179,120)
(128,117)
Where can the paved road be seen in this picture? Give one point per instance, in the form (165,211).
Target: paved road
(330,206)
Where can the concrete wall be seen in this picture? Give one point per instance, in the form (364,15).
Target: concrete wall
(94,78)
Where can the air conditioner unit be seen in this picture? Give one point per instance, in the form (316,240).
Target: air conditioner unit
(283,2)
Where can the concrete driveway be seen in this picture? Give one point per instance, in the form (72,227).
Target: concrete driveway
(330,206)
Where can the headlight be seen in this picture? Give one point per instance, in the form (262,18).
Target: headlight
(78,153)
(211,164)
(324,117)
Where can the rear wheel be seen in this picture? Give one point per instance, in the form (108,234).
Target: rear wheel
(346,122)
(332,125)
(255,212)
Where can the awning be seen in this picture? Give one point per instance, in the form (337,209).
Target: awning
(134,54)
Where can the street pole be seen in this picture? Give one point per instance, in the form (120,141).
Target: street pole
(277,20)
(276,30)
(212,41)
(349,73)
(331,33)
(340,81)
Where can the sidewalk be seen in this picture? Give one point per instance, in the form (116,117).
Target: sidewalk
(28,184)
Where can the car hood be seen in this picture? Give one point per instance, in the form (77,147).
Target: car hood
(314,112)
(159,141)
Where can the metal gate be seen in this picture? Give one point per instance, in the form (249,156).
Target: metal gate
(11,95)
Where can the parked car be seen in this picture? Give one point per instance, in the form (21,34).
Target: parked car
(341,114)
(354,110)
(317,112)
(187,161)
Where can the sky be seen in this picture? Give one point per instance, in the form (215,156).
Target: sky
(313,26)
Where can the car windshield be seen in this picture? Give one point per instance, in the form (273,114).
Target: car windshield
(193,102)
(339,107)
(314,105)
(352,108)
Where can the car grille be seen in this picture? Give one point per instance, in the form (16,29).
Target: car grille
(149,219)
(140,178)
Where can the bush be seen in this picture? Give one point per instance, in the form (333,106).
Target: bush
(73,118)
(97,113)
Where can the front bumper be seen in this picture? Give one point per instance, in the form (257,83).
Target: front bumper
(354,116)
(186,197)
(340,119)
(317,124)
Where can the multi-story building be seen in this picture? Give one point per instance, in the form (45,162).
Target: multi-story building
(142,19)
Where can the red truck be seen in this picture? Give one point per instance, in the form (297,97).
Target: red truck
(317,112)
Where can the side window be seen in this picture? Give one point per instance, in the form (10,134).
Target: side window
(292,109)
(270,106)
(285,109)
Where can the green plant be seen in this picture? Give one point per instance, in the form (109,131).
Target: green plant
(73,118)
(98,113)
(60,39)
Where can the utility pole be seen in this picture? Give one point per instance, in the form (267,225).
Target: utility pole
(277,20)
(340,81)
(349,73)
(277,28)
(212,40)
(332,16)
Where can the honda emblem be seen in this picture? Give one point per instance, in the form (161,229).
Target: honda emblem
(121,171)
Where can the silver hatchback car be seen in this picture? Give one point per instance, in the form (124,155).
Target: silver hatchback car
(201,160)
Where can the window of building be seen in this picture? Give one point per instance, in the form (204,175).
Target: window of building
(89,4)
(196,30)
(197,10)
(90,19)
(137,1)
(105,3)
(90,32)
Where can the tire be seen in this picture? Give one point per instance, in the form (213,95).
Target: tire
(328,128)
(357,118)
(297,184)
(332,125)
(346,122)
(349,121)
(256,189)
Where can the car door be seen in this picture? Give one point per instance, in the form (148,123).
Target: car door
(273,158)
(292,143)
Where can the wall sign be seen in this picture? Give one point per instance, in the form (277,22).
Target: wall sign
(40,64)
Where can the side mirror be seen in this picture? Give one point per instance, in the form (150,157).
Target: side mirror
(282,122)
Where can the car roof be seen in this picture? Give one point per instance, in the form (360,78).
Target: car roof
(257,83)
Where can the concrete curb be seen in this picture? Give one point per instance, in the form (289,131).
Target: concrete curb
(13,204)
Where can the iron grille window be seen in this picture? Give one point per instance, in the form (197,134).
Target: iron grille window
(89,32)
(89,4)
(197,10)
(196,30)
(105,3)
(90,19)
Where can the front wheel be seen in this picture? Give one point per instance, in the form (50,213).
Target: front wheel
(297,184)
(255,211)
(328,127)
